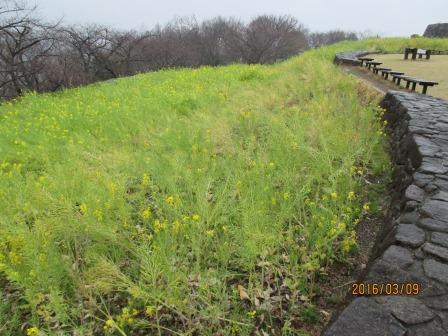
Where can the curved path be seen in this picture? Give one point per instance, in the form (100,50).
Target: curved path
(412,248)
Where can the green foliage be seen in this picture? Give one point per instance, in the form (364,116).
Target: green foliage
(142,203)
(310,315)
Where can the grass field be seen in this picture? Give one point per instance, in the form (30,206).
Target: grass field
(434,69)
(185,202)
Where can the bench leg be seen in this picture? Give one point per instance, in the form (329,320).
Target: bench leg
(413,86)
(425,88)
(398,81)
(414,56)
(408,84)
(420,55)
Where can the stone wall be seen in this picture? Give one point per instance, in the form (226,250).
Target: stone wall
(413,245)
(436,30)
(350,57)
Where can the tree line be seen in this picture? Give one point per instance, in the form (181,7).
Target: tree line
(39,56)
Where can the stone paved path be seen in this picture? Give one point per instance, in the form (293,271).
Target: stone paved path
(413,246)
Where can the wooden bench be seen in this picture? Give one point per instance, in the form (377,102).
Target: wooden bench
(424,52)
(397,78)
(410,80)
(367,59)
(386,73)
(376,70)
(416,51)
(414,81)
(422,82)
(438,52)
(369,64)
(408,51)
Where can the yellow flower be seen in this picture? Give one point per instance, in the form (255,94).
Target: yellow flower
(177,225)
(351,196)
(147,237)
(145,180)
(169,200)
(150,310)
(210,233)
(109,326)
(366,207)
(83,208)
(15,258)
(286,196)
(99,214)
(348,244)
(146,214)
(33,331)
(334,195)
(333,232)
(158,226)
(252,314)
(110,323)
(196,218)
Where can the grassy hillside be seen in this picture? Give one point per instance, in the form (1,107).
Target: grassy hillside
(183,202)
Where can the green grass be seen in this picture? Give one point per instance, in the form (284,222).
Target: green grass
(172,202)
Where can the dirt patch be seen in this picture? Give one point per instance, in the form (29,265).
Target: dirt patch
(374,81)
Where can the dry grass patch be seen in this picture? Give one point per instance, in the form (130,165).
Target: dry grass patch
(435,69)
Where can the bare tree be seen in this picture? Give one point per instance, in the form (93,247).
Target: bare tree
(270,38)
(126,53)
(25,42)
(84,44)
(316,40)
(43,57)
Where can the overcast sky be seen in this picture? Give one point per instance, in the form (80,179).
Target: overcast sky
(386,17)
